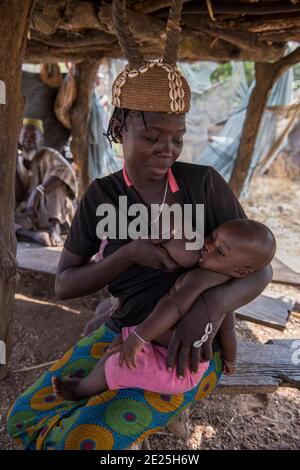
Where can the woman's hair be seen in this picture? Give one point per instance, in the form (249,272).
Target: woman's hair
(120,115)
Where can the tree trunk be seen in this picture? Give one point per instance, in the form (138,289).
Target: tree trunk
(85,73)
(15,16)
(265,77)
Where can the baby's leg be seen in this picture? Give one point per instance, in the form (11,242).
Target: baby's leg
(75,389)
(72,388)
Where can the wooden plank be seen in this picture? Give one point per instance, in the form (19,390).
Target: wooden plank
(268,309)
(282,273)
(38,258)
(262,368)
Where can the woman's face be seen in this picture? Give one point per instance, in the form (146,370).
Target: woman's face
(149,152)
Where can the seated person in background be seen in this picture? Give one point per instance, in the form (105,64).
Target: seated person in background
(46,187)
(137,358)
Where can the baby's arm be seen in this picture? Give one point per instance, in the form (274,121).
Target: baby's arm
(228,340)
(168,311)
(178,301)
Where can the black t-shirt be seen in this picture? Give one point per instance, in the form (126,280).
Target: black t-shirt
(140,288)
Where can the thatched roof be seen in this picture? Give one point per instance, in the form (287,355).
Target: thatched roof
(212,29)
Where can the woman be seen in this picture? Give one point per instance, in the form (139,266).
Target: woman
(150,126)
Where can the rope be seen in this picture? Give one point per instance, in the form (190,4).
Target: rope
(127,42)
(173,32)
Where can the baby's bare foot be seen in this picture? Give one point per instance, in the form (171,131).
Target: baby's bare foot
(67,388)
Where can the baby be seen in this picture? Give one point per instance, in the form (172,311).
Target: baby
(137,357)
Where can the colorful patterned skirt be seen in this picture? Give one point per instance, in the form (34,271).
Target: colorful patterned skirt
(110,420)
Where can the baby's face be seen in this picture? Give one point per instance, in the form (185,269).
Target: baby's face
(224,251)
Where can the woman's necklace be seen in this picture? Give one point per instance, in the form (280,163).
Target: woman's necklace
(162,204)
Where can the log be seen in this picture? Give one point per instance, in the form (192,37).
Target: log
(85,74)
(150,6)
(280,36)
(75,40)
(267,24)
(37,52)
(219,8)
(193,46)
(85,20)
(15,18)
(244,40)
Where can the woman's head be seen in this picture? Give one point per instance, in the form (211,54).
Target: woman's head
(151,99)
(152,141)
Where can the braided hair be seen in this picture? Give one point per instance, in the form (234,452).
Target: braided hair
(120,114)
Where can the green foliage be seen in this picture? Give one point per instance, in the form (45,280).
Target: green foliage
(249,71)
(222,72)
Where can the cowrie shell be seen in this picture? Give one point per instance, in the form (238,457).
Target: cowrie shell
(174,107)
(133,73)
(180,92)
(122,83)
(143,69)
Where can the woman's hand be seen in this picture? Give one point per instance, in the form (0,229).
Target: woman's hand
(129,349)
(189,329)
(151,253)
(218,301)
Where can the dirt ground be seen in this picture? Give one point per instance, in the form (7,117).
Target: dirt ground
(44,328)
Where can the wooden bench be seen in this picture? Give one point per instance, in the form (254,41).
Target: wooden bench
(262,368)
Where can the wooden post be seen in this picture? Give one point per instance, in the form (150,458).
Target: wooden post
(266,75)
(264,81)
(85,73)
(15,16)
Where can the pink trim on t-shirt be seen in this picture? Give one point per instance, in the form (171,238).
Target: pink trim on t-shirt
(126,177)
(171,179)
(99,255)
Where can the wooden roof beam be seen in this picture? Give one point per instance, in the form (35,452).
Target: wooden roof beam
(234,8)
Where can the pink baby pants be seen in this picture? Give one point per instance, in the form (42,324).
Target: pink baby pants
(151,372)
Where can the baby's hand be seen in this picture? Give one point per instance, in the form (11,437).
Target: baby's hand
(129,350)
(229,367)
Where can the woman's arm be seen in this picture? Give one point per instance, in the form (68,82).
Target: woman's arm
(77,276)
(171,308)
(212,306)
